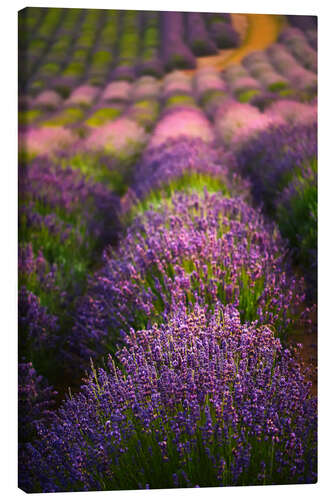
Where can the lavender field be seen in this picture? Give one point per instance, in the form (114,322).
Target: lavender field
(167,250)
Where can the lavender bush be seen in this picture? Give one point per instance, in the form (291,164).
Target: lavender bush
(184,164)
(198,37)
(296,210)
(36,402)
(175,53)
(200,401)
(192,249)
(272,157)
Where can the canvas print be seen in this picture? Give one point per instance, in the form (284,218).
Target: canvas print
(167,253)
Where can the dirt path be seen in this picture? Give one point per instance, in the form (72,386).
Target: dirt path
(257,32)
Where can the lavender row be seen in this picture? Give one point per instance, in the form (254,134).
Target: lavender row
(69,46)
(277,150)
(190,249)
(222,31)
(64,221)
(282,164)
(201,400)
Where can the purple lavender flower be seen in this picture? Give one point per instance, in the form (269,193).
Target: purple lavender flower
(121,138)
(175,53)
(260,68)
(274,155)
(286,64)
(48,99)
(208,80)
(84,95)
(66,192)
(198,37)
(295,40)
(116,91)
(45,141)
(38,329)
(238,123)
(36,401)
(145,87)
(181,158)
(303,22)
(187,122)
(293,112)
(221,30)
(35,398)
(176,83)
(199,401)
(191,249)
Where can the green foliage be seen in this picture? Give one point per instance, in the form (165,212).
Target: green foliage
(50,69)
(177,100)
(188,182)
(247,95)
(75,68)
(94,166)
(27,117)
(278,86)
(66,117)
(210,95)
(102,116)
(298,220)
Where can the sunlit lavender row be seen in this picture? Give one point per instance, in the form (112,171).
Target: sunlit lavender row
(167,252)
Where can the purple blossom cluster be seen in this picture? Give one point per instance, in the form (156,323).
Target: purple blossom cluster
(202,400)
(182,157)
(260,68)
(45,141)
(293,112)
(222,31)
(83,95)
(192,249)
(296,41)
(287,65)
(187,122)
(208,80)
(271,157)
(36,401)
(48,99)
(176,82)
(63,220)
(303,22)
(193,302)
(175,53)
(296,212)
(198,36)
(146,87)
(237,123)
(49,189)
(38,328)
(239,80)
(122,138)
